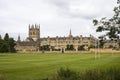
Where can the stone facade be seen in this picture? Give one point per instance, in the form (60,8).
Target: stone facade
(62,42)
(34,42)
(111,44)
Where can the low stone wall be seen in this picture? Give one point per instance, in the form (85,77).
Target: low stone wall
(104,51)
(90,51)
(56,52)
(76,52)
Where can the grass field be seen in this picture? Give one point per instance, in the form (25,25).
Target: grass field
(39,66)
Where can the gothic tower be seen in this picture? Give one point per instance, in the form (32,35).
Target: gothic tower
(34,32)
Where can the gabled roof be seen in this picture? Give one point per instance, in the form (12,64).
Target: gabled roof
(27,43)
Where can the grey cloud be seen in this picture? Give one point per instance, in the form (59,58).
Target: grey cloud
(87,9)
(55,16)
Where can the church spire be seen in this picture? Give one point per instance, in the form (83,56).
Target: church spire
(70,34)
(29,26)
(19,38)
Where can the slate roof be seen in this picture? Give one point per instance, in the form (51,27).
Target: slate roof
(64,38)
(31,42)
(27,43)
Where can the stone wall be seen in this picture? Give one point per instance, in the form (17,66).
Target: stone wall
(104,51)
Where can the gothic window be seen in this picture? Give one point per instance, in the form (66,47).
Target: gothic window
(38,33)
(30,33)
(33,33)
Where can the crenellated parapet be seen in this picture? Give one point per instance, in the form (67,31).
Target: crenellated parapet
(34,26)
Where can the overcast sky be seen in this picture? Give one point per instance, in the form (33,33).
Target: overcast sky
(55,17)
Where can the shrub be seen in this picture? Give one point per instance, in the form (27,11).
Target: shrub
(99,74)
(65,74)
(94,74)
(112,74)
(81,48)
(2,77)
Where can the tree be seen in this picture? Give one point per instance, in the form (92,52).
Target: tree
(110,27)
(11,45)
(6,41)
(7,44)
(4,48)
(0,37)
(70,47)
(101,41)
(81,47)
(6,37)
(67,47)
(45,47)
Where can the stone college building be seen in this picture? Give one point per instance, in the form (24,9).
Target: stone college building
(34,43)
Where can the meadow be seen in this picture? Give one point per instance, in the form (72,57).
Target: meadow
(38,66)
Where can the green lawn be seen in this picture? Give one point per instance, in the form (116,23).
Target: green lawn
(39,66)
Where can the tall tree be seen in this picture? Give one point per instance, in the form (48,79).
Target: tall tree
(11,45)
(6,37)
(7,44)
(70,47)
(3,47)
(6,41)
(110,27)
(0,37)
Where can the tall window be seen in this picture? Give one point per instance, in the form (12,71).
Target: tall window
(33,33)
(30,33)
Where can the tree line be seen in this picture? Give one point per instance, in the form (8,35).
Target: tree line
(7,44)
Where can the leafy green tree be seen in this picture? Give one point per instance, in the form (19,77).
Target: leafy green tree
(6,37)
(11,45)
(111,46)
(3,46)
(81,47)
(0,37)
(111,26)
(70,47)
(101,41)
(45,47)
(67,47)
(1,43)
(7,44)
(6,41)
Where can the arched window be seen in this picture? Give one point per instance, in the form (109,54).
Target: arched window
(33,33)
(30,33)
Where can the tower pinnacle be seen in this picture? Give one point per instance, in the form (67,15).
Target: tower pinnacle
(19,38)
(70,34)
